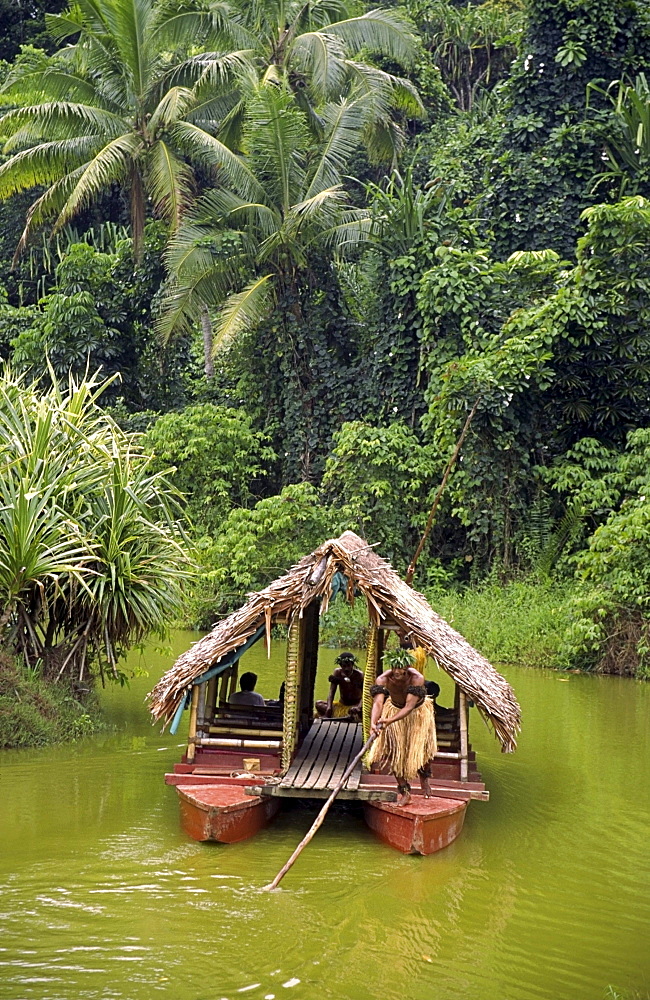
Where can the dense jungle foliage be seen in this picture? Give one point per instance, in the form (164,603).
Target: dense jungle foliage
(300,244)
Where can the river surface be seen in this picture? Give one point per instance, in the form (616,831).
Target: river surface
(546,894)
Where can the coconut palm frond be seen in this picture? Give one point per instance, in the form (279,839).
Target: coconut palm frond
(171,183)
(386,32)
(243,310)
(213,153)
(278,133)
(225,208)
(172,106)
(49,204)
(66,116)
(45,163)
(203,279)
(321,57)
(343,124)
(111,164)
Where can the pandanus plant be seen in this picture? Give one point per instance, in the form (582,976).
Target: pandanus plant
(627,145)
(92,558)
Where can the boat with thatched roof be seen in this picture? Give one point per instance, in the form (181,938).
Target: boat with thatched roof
(242,761)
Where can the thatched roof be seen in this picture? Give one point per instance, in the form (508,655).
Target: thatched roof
(390,601)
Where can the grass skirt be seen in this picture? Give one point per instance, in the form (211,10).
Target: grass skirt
(406,745)
(340,711)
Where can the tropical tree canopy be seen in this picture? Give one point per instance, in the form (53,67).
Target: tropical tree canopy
(245,244)
(322,52)
(123,105)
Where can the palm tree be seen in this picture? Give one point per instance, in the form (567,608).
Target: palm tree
(320,52)
(245,245)
(248,248)
(126,104)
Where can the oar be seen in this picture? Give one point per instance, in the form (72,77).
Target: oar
(321,816)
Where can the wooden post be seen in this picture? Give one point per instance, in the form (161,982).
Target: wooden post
(291,692)
(223,689)
(191,737)
(462,716)
(211,698)
(234,671)
(200,709)
(369,677)
(310,630)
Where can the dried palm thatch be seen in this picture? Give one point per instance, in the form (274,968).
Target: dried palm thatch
(391,602)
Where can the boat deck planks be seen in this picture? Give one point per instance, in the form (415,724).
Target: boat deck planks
(327,750)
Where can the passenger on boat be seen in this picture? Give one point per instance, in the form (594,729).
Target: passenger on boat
(433,690)
(348,680)
(248,695)
(404,722)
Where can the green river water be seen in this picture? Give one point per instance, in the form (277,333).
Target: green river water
(546,893)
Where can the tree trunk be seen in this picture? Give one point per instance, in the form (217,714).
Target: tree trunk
(137,214)
(206,327)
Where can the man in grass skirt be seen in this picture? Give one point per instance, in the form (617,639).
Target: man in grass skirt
(404,722)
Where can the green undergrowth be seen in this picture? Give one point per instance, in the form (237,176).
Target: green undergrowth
(519,622)
(530,623)
(345,625)
(35,712)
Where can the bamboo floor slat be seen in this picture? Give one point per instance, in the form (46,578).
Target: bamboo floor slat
(326,752)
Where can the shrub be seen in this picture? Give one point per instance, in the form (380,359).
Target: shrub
(35,713)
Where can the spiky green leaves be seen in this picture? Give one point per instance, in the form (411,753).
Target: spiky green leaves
(91,555)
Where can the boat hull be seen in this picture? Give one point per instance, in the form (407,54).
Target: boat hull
(424,826)
(223,813)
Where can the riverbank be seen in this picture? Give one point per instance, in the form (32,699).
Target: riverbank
(528,623)
(35,712)
(524,623)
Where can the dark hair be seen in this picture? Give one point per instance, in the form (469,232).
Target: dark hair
(433,689)
(248,681)
(345,658)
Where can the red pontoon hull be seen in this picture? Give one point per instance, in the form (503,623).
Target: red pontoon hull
(424,826)
(223,813)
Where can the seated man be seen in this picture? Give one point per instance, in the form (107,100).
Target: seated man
(248,695)
(433,690)
(349,681)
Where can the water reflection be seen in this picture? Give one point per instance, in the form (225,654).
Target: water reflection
(545,894)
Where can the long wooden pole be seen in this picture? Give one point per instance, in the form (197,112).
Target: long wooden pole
(450,464)
(321,816)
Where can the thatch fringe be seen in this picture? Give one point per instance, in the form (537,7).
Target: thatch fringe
(390,601)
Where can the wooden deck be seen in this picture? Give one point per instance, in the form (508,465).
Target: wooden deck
(326,752)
